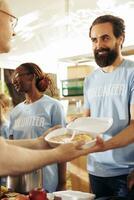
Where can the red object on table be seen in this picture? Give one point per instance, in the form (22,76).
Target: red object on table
(38,194)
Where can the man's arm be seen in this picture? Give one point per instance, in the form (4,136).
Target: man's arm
(38,143)
(17,160)
(122,139)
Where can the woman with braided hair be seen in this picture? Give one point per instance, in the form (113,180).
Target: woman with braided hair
(39,112)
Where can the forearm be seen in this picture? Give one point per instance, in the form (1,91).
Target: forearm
(124,138)
(17,160)
(38,143)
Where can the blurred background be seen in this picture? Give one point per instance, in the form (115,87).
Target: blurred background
(49,32)
(54,35)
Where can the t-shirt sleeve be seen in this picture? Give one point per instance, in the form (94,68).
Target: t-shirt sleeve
(10,132)
(58,115)
(132,90)
(86,102)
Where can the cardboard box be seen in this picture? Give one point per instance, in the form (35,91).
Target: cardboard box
(79,71)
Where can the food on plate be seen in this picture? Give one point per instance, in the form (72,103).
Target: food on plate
(3,191)
(16,196)
(86,137)
(35,194)
(3,188)
(63,138)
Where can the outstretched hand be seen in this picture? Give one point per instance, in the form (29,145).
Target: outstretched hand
(70,151)
(99,145)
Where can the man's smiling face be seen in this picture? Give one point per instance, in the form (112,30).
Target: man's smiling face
(105,44)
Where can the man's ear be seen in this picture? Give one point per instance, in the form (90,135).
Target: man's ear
(121,40)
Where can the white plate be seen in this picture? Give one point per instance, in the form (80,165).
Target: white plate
(62,131)
(74,195)
(56,132)
(92,125)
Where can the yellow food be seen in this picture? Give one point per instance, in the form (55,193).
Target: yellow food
(3,190)
(63,138)
(85,137)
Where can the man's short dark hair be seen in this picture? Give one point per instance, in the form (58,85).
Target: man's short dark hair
(117,23)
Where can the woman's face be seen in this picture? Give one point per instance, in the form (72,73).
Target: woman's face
(22,80)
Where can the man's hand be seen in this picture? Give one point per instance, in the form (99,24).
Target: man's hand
(99,145)
(70,151)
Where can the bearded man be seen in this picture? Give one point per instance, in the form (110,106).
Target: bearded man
(109,92)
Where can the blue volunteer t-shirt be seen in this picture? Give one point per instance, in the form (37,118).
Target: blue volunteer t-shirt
(31,121)
(111,95)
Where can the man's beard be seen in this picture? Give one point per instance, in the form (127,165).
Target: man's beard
(105,56)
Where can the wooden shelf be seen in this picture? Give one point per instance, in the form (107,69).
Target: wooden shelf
(72,99)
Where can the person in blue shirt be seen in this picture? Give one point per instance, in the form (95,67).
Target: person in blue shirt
(109,92)
(30,154)
(5,103)
(39,112)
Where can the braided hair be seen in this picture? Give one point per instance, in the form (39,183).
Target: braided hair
(42,80)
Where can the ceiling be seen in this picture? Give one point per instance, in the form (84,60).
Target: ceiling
(50,30)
